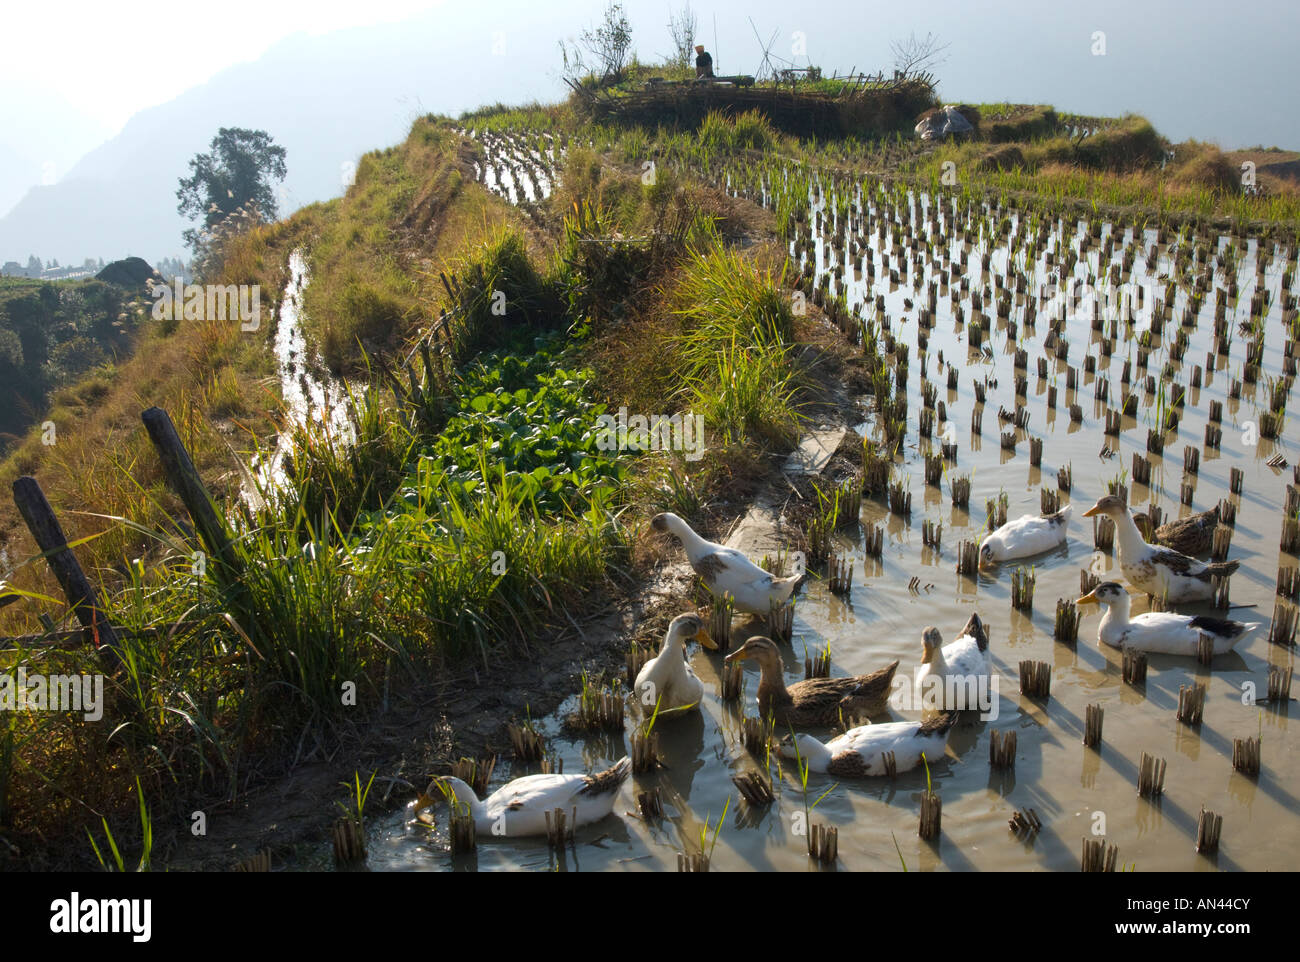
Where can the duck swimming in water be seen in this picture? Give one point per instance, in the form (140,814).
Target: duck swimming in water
(1161,632)
(1161,572)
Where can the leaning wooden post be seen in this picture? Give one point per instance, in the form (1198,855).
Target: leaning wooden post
(81,594)
(185,480)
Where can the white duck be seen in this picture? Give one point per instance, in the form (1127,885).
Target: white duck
(727,571)
(860,751)
(1029,535)
(519,808)
(1161,632)
(954,676)
(666,681)
(1161,572)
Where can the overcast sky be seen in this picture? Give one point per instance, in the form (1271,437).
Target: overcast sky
(74,72)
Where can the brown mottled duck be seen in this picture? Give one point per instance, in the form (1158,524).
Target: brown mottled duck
(815,701)
(1191,535)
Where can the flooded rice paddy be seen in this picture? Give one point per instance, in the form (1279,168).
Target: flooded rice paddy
(1065,292)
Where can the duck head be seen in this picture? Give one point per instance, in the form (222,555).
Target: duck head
(986,554)
(1111,505)
(1107,593)
(666,523)
(444,788)
(798,745)
(760,649)
(931,642)
(689,627)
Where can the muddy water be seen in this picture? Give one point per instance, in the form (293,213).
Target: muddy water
(1075,791)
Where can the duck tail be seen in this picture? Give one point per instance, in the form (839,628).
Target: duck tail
(939,724)
(1222,569)
(975,628)
(1062,517)
(610,780)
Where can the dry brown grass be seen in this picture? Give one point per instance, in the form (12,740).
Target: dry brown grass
(1204,165)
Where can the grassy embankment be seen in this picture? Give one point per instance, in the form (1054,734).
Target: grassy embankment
(473,507)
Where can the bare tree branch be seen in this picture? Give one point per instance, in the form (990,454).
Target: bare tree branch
(610,42)
(917,55)
(682,28)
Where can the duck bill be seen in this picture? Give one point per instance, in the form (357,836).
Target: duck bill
(740,654)
(1091,511)
(702,636)
(1089,599)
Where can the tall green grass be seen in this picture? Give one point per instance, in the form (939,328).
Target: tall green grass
(497,295)
(734,347)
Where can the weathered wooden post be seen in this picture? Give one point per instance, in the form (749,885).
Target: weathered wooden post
(185,480)
(81,594)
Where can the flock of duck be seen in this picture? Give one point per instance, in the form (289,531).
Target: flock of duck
(945,679)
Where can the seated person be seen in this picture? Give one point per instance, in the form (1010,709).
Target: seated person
(703,62)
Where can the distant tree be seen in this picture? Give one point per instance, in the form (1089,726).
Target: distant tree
(917,55)
(610,42)
(235,175)
(681,27)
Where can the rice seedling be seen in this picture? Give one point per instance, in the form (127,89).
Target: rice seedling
(1279,684)
(1098,855)
(822,844)
(755,789)
(1022,588)
(1208,828)
(1067,621)
(818,666)
(931,806)
(839,574)
(1282,629)
(756,735)
(700,861)
(1288,582)
(1025,824)
(1002,749)
(1134,667)
(643,745)
(349,831)
(1093,716)
(526,740)
(961,491)
(900,499)
(600,707)
(1151,776)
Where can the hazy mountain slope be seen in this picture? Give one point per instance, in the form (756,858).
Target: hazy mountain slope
(326,99)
